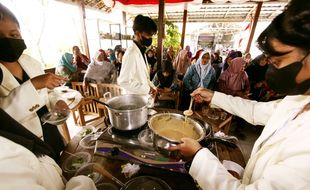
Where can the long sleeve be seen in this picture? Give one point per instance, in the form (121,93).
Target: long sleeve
(256,113)
(134,76)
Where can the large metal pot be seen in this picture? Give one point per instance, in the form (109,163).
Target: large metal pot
(128,112)
(162,143)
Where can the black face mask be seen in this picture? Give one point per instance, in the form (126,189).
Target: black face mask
(146,41)
(11,49)
(283,81)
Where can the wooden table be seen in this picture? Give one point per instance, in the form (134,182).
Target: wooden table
(175,180)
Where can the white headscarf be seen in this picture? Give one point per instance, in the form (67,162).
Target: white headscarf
(202,70)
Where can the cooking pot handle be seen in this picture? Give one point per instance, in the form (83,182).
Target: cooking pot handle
(150,101)
(107,96)
(118,114)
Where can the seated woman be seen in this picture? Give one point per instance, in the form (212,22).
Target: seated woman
(167,84)
(24,88)
(201,74)
(99,70)
(67,68)
(234,80)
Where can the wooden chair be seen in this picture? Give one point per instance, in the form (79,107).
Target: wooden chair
(87,106)
(114,89)
(225,125)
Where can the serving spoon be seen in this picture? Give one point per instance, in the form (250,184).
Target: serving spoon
(189,112)
(98,101)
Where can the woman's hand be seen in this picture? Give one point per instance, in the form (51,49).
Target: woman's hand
(202,94)
(188,148)
(48,80)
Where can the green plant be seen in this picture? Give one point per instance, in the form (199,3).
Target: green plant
(172,36)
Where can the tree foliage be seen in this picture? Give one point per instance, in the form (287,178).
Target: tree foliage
(172,36)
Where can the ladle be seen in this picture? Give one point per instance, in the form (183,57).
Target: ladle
(189,112)
(107,174)
(98,101)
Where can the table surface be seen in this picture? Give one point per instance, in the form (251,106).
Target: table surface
(175,180)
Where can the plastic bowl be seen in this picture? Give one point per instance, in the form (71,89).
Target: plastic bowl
(89,141)
(76,161)
(88,171)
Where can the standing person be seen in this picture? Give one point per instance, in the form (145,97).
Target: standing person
(24,88)
(234,80)
(280,156)
(201,74)
(181,63)
(151,59)
(189,53)
(135,71)
(119,61)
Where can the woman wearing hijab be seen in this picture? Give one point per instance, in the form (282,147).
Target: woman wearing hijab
(99,70)
(201,74)
(234,80)
(280,156)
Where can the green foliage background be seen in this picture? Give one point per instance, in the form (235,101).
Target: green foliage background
(172,35)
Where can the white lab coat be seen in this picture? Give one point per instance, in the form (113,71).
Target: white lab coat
(135,72)
(22,101)
(21,169)
(280,156)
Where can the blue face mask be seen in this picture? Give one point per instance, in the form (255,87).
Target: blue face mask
(11,49)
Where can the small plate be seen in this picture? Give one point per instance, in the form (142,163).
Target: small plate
(151,112)
(70,95)
(54,118)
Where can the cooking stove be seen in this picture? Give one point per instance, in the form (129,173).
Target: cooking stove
(136,145)
(139,138)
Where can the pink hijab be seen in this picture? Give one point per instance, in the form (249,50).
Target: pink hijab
(234,76)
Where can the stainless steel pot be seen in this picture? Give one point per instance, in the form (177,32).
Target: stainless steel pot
(162,143)
(128,112)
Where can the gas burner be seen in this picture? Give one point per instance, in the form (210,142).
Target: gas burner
(145,137)
(128,133)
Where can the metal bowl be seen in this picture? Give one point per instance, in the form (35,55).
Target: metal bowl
(162,143)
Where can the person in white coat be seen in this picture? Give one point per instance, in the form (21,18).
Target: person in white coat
(24,88)
(280,156)
(26,161)
(135,72)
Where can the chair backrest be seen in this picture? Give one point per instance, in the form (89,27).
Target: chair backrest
(92,90)
(114,89)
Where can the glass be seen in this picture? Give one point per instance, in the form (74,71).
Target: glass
(205,110)
(213,114)
(223,115)
(75,162)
